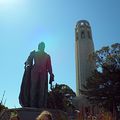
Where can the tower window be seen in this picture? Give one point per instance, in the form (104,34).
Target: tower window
(89,36)
(76,36)
(82,34)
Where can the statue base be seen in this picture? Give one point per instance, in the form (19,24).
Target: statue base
(27,113)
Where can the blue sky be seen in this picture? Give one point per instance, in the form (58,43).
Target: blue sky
(25,23)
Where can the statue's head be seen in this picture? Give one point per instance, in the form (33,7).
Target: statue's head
(41,46)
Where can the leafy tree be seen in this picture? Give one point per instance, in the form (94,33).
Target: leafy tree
(1,103)
(2,107)
(60,97)
(104,85)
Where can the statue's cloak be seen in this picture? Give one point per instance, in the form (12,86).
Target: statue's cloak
(34,87)
(24,97)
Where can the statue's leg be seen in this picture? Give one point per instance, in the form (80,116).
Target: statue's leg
(33,90)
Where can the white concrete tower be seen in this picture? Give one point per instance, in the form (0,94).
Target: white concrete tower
(83,48)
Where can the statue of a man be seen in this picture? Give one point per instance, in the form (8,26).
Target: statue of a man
(34,88)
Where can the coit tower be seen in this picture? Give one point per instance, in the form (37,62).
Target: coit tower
(84,47)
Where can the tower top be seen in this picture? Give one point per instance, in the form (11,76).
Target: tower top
(83,23)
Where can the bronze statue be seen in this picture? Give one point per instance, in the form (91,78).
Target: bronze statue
(34,87)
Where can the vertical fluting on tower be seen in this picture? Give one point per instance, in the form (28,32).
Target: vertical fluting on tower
(83,48)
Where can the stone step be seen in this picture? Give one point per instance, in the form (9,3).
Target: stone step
(32,113)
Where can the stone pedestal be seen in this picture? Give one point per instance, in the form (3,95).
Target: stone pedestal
(32,113)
